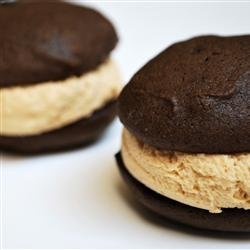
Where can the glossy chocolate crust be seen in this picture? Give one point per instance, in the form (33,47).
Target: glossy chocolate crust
(80,133)
(230,220)
(194,97)
(45,40)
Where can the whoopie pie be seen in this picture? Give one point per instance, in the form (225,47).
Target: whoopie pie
(186,143)
(58,82)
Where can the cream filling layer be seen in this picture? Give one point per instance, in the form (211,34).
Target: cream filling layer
(210,182)
(43,107)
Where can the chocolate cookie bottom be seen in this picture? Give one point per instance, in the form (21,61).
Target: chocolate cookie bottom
(231,220)
(80,133)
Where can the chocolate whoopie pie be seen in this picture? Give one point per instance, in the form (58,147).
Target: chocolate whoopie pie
(186,142)
(58,83)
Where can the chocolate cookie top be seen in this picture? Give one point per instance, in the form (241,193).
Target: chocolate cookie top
(193,97)
(50,40)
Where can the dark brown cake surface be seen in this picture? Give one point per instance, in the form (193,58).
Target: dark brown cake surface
(51,40)
(193,97)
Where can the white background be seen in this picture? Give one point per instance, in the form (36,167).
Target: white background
(77,199)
